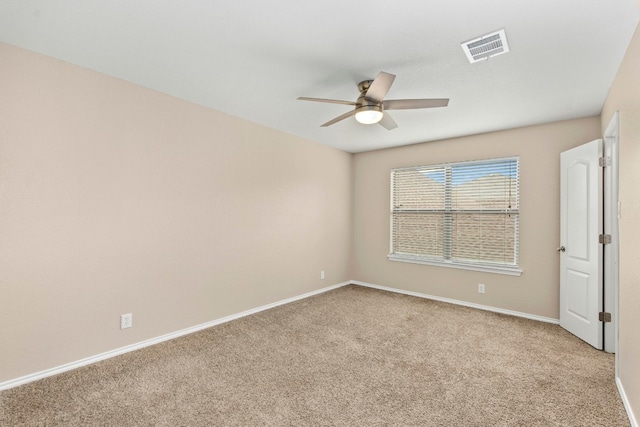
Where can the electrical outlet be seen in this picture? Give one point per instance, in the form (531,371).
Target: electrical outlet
(322,275)
(480,288)
(126,321)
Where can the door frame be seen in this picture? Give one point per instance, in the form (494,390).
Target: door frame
(611,208)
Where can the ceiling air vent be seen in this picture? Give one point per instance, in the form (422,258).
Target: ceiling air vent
(486,46)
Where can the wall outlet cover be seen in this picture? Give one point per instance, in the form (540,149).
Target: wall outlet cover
(126,321)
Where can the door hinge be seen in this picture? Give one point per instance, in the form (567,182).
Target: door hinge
(604,161)
(605,239)
(604,317)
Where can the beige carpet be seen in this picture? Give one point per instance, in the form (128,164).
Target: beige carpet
(350,357)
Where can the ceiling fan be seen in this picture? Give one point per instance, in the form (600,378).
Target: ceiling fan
(370,106)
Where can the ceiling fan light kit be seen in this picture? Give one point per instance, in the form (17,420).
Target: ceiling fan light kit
(370,106)
(369,114)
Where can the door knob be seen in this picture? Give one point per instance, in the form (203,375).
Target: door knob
(561,249)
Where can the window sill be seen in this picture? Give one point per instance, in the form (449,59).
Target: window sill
(511,271)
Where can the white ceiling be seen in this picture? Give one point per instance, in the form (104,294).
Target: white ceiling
(253,58)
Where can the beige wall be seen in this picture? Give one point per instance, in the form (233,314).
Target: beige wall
(537,290)
(624,96)
(118,199)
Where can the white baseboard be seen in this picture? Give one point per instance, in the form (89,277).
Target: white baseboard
(627,406)
(463,303)
(109,354)
(122,350)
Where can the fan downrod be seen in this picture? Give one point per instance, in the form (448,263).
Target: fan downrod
(363,86)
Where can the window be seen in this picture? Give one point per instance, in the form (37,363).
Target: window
(462,215)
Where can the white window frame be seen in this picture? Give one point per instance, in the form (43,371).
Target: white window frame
(491,267)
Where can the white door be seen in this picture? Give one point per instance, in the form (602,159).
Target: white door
(581,252)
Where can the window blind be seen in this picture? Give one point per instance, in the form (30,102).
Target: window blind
(457,213)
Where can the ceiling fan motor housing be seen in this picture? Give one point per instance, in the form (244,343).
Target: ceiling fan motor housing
(366,104)
(368,111)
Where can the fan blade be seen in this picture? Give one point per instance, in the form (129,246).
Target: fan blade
(387,122)
(408,104)
(342,117)
(380,86)
(330,101)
